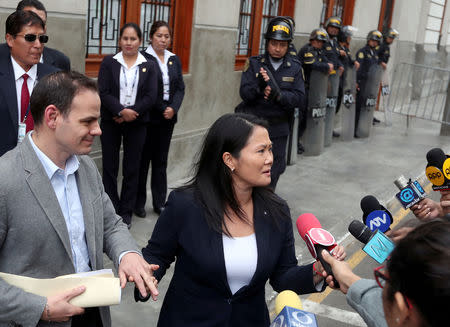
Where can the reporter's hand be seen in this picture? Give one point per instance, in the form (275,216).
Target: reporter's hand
(59,309)
(341,272)
(445,203)
(427,209)
(398,234)
(129,114)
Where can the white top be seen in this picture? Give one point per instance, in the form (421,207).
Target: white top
(164,69)
(241,257)
(64,184)
(31,81)
(129,79)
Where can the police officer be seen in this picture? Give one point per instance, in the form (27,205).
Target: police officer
(271,87)
(292,50)
(384,52)
(344,38)
(331,47)
(367,57)
(312,57)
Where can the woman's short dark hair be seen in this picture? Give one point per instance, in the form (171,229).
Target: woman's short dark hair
(212,181)
(156,25)
(20,18)
(133,26)
(58,89)
(419,268)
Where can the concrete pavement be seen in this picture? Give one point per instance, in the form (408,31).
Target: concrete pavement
(330,186)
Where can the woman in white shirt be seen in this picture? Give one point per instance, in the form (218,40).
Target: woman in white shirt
(163,117)
(127,84)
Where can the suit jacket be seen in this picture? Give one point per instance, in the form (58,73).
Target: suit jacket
(34,239)
(109,89)
(56,59)
(176,88)
(199,294)
(9,121)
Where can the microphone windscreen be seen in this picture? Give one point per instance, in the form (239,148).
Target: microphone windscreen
(436,157)
(360,231)
(370,203)
(287,298)
(305,222)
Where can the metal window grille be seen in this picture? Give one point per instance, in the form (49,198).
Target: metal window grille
(103,25)
(338,10)
(104,21)
(271,8)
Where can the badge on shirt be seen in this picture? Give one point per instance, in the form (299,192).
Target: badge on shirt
(293,53)
(308,54)
(287,79)
(170,63)
(328,48)
(22,132)
(288,64)
(361,55)
(144,70)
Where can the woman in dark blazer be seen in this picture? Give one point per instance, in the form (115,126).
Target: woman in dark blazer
(128,89)
(162,118)
(229,234)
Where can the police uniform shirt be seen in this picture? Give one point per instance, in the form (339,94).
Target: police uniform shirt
(384,52)
(367,57)
(331,50)
(312,59)
(288,77)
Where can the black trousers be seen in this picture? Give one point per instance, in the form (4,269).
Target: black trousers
(156,151)
(133,137)
(90,318)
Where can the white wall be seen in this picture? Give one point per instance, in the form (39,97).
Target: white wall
(218,13)
(307,15)
(366,16)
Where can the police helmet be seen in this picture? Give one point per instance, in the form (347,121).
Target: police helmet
(346,32)
(279,29)
(392,33)
(290,21)
(334,21)
(319,34)
(374,35)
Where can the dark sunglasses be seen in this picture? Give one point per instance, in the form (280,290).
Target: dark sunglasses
(382,278)
(32,37)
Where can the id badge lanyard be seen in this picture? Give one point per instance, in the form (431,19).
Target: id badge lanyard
(23,126)
(129,92)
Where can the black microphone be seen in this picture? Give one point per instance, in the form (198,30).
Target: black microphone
(377,245)
(438,169)
(411,192)
(375,216)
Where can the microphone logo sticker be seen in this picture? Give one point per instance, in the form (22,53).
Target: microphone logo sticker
(379,247)
(446,168)
(407,195)
(378,219)
(321,236)
(435,176)
(294,317)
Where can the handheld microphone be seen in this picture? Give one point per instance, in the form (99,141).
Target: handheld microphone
(375,216)
(289,310)
(410,192)
(377,245)
(317,239)
(438,169)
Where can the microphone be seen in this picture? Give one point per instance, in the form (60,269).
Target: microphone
(317,239)
(410,192)
(289,311)
(377,245)
(438,169)
(375,216)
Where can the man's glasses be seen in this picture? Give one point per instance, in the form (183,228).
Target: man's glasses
(382,278)
(32,37)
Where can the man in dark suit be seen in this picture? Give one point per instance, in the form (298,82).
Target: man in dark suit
(50,56)
(25,37)
(55,217)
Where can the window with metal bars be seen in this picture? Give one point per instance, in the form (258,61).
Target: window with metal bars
(340,8)
(105,17)
(253,18)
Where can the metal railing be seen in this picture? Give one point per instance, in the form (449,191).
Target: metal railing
(420,91)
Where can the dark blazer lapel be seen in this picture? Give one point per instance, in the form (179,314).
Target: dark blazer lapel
(42,190)
(262,234)
(88,213)
(9,87)
(217,247)
(116,70)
